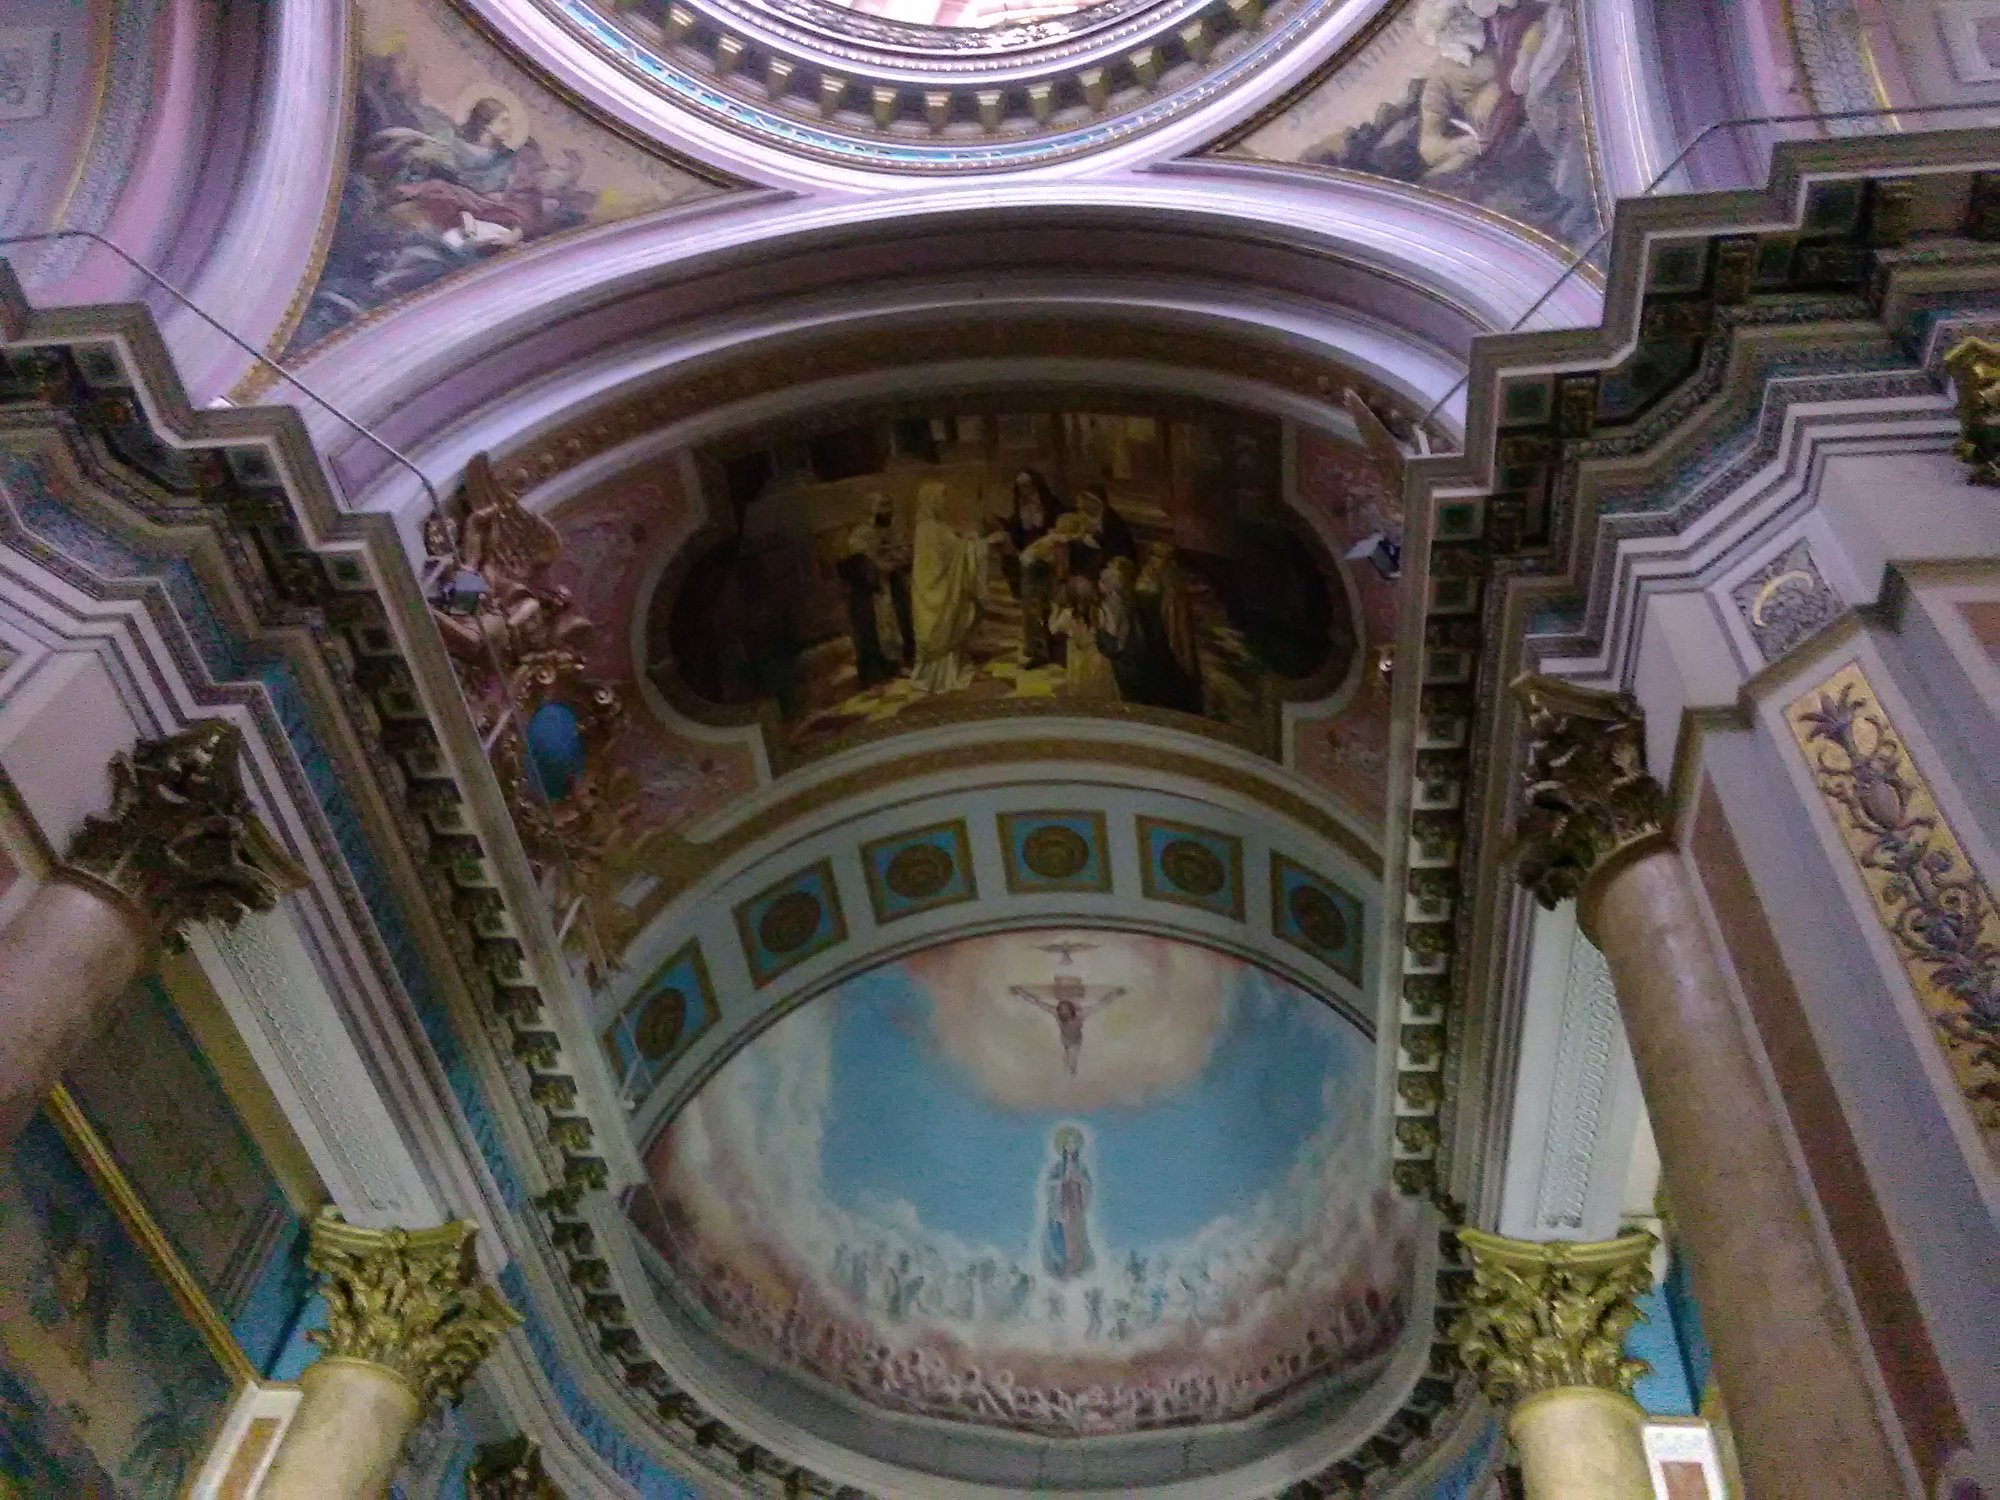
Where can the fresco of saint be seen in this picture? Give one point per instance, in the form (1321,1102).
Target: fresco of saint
(1479,99)
(1066,1252)
(451,162)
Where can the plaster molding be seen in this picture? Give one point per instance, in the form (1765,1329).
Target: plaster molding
(290,1023)
(608,70)
(634,287)
(269,238)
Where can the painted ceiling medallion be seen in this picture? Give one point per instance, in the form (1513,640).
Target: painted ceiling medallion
(942,85)
(983,1183)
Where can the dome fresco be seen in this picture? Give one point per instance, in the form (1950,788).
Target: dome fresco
(1057,1182)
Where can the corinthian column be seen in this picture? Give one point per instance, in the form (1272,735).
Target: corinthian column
(1543,1330)
(1595,828)
(408,1320)
(180,844)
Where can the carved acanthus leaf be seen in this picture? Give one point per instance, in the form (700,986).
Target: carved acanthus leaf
(1588,793)
(411,1301)
(1540,1317)
(181,840)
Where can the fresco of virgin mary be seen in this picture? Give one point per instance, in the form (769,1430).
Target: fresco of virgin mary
(1066,1252)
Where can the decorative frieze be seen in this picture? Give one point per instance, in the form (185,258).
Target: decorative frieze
(1936,907)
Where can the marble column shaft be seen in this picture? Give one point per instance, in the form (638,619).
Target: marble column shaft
(1793,1371)
(180,843)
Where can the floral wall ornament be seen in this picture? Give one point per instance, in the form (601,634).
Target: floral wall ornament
(409,1300)
(1932,901)
(1542,1316)
(521,649)
(1588,794)
(182,841)
(1974,365)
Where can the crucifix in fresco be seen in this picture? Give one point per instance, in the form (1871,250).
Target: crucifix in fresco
(1068,999)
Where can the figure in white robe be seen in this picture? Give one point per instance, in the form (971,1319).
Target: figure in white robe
(947,594)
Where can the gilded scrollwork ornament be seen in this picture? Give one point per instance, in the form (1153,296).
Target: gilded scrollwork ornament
(1588,795)
(1928,895)
(521,648)
(1974,365)
(1545,1316)
(182,842)
(409,1300)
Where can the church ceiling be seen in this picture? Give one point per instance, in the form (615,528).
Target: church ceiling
(955,86)
(764,912)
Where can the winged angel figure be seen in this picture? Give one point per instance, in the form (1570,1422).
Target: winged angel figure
(520,644)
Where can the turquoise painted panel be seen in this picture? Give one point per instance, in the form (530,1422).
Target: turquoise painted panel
(1191,866)
(665,1018)
(1663,1391)
(919,871)
(1311,912)
(1055,851)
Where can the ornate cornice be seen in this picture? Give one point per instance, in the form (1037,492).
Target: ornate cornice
(411,1301)
(1589,800)
(821,81)
(181,843)
(1540,1317)
(1575,440)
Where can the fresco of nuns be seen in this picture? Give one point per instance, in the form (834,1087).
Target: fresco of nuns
(1071,560)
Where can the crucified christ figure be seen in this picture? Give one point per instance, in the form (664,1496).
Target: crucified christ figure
(1071,1002)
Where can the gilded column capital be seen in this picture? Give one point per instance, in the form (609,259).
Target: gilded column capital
(1545,1316)
(409,1300)
(1974,365)
(510,1470)
(1589,797)
(181,842)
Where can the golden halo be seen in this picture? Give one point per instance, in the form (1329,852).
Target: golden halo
(517,115)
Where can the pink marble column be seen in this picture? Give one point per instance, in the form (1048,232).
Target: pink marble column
(179,844)
(1794,1372)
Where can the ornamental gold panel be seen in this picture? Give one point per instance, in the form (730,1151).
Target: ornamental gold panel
(1930,898)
